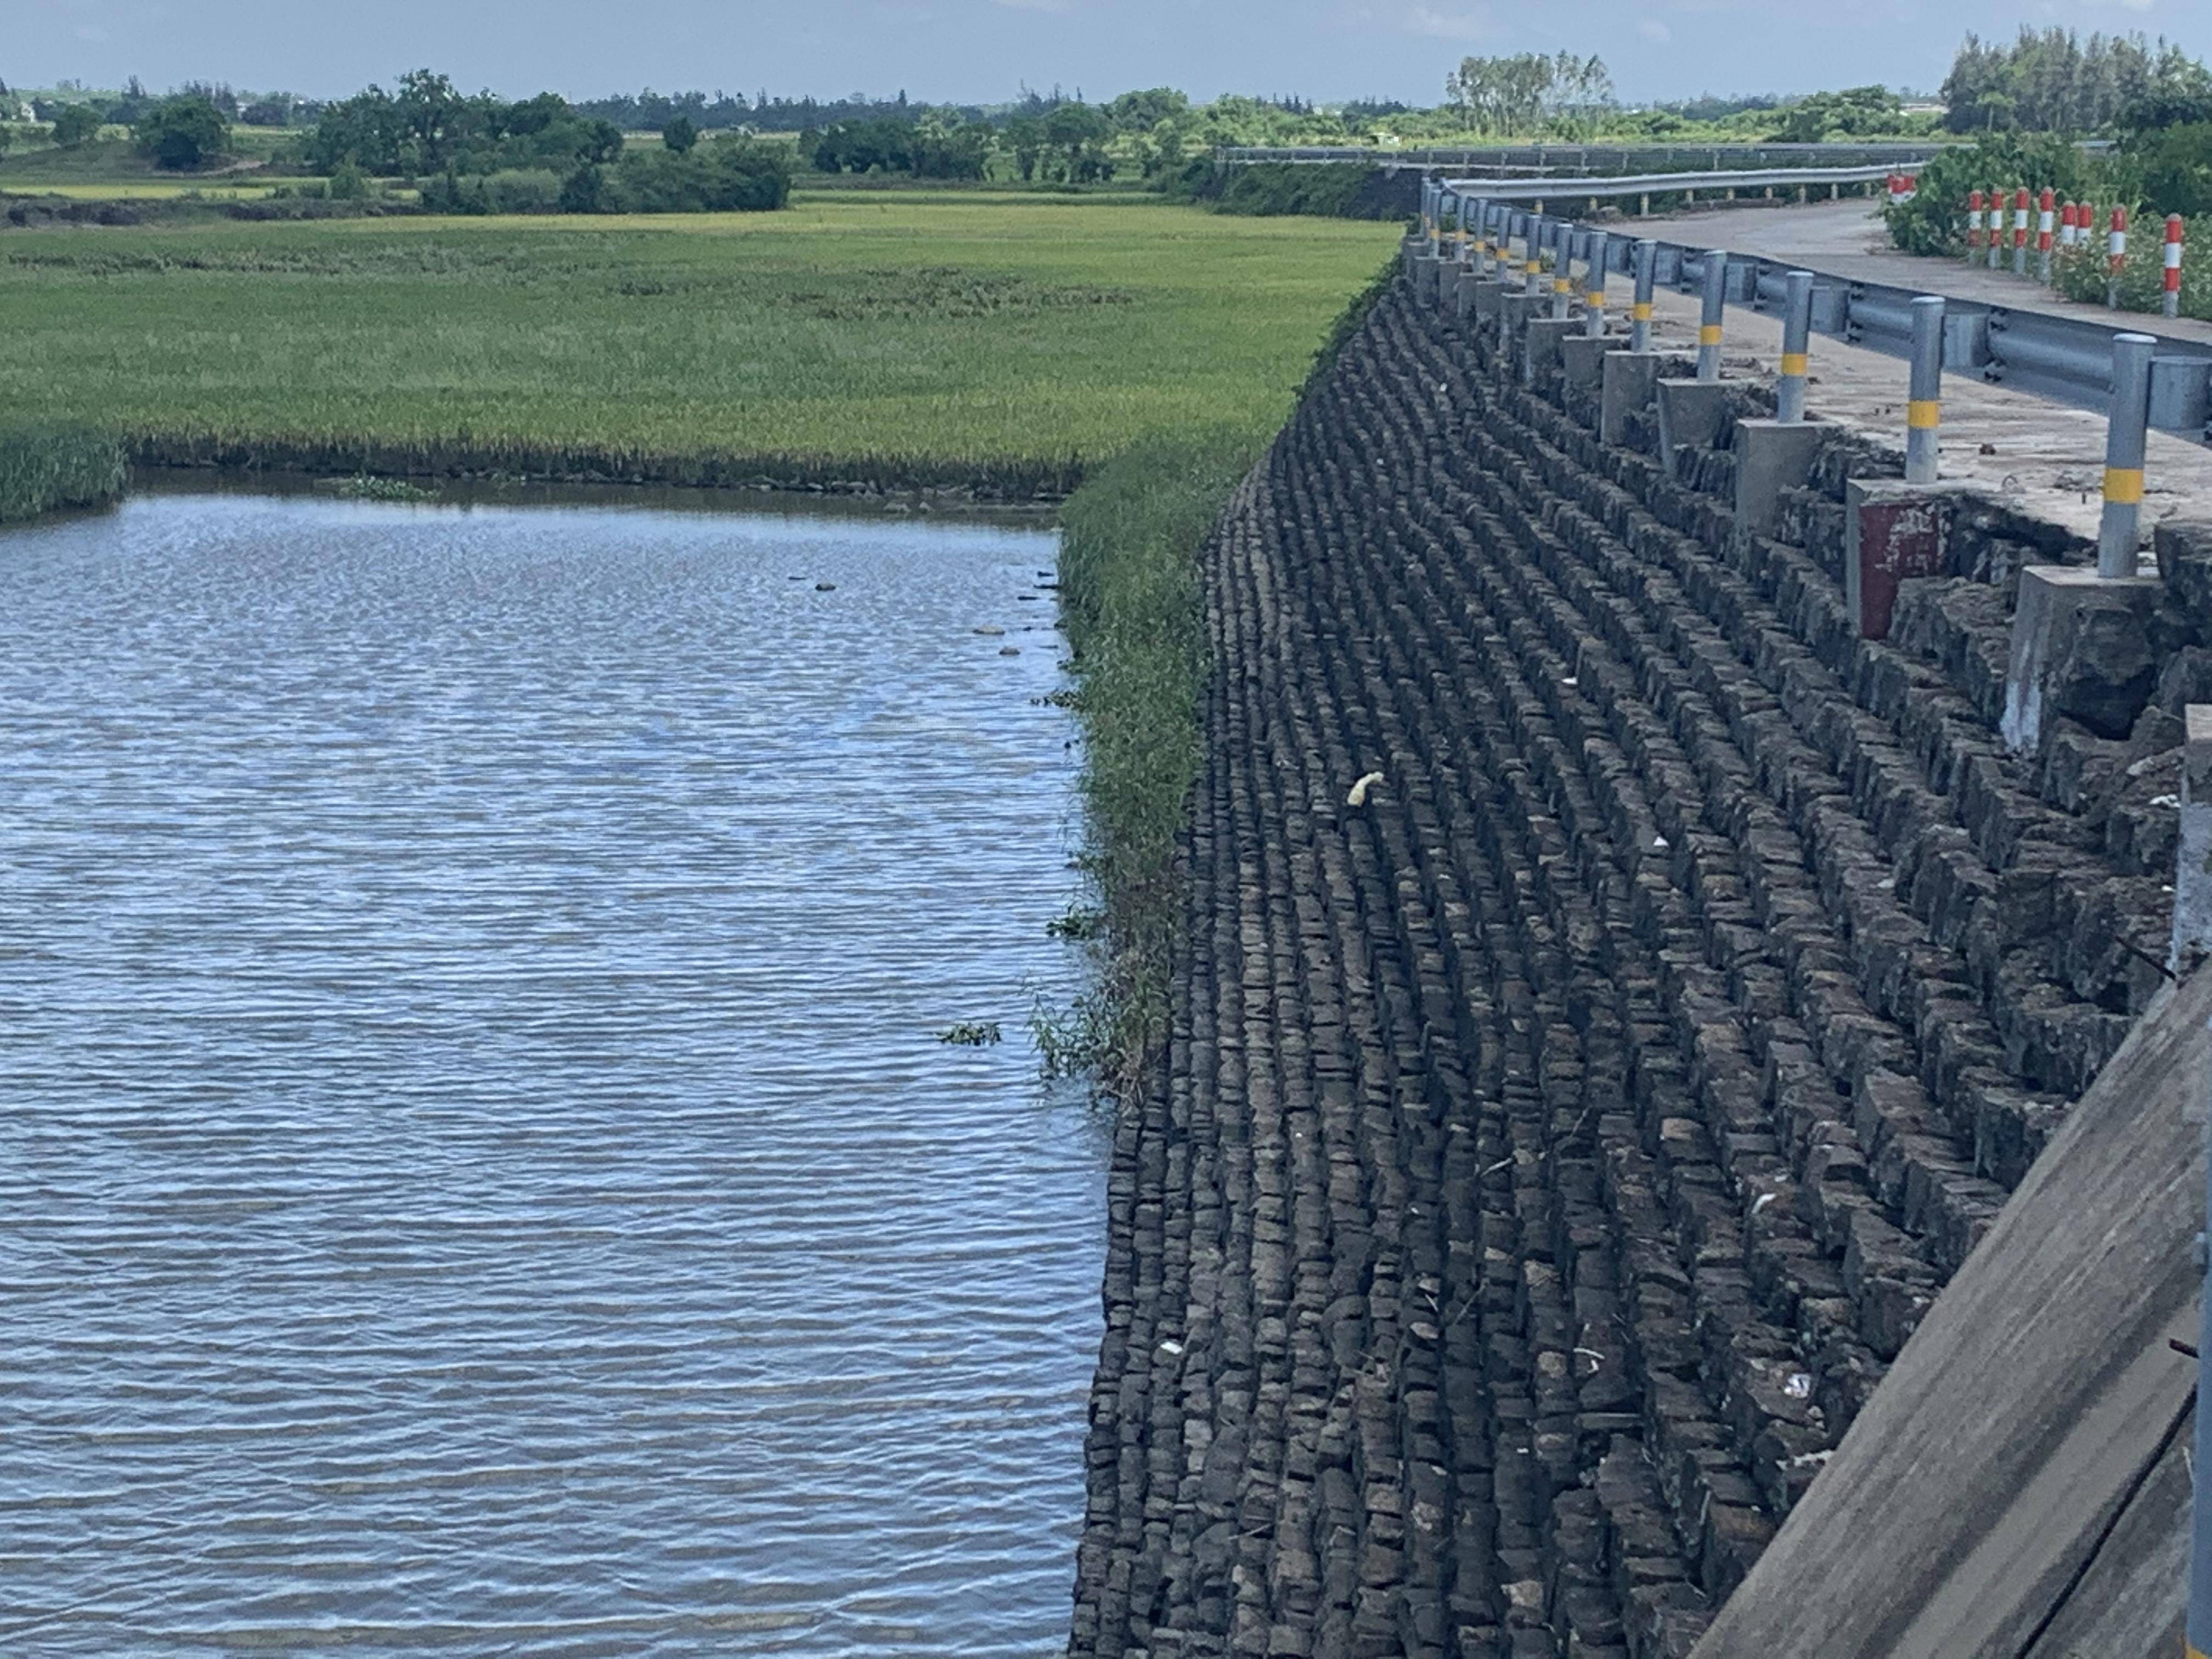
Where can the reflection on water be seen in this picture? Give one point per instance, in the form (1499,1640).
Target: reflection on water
(477,1172)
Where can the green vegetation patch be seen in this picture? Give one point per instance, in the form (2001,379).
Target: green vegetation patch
(940,340)
(946,292)
(1133,601)
(45,472)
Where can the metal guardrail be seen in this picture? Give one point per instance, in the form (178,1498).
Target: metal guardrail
(1661,183)
(2066,359)
(1585,160)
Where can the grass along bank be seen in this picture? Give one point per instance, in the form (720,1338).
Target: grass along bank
(51,471)
(1009,342)
(1132,600)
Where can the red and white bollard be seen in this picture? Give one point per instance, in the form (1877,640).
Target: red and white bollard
(2116,256)
(2019,231)
(1911,185)
(1973,223)
(2069,228)
(1996,228)
(2043,220)
(2170,302)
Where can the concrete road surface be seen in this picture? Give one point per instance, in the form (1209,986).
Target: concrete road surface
(1846,239)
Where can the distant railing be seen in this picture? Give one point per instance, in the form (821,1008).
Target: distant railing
(1588,187)
(1589,160)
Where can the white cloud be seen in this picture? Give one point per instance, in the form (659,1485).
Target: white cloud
(1652,29)
(1449,25)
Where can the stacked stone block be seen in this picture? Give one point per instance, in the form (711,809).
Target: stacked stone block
(1553,1150)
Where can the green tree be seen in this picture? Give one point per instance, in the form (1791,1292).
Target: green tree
(1854,112)
(75,122)
(183,132)
(1079,132)
(1143,111)
(680,134)
(1026,143)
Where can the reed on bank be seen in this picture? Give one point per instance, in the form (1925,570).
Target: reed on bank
(49,470)
(1133,600)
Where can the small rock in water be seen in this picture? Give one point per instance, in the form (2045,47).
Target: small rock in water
(1009,651)
(987,628)
(825,587)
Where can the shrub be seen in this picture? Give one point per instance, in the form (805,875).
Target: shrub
(731,176)
(2171,168)
(1932,221)
(75,122)
(182,133)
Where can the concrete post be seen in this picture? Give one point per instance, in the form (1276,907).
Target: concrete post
(2064,614)
(1924,408)
(1533,249)
(1796,343)
(1709,321)
(1893,532)
(2125,446)
(1692,416)
(1770,457)
(1639,315)
(1563,282)
(1627,381)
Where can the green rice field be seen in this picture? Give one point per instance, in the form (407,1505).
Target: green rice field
(1007,340)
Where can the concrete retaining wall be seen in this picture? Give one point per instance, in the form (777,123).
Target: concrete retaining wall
(1555,1152)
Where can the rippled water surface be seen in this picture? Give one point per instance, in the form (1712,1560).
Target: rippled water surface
(477,1173)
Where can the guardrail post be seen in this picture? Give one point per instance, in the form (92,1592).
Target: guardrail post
(1593,282)
(1796,342)
(1709,321)
(2124,448)
(2043,234)
(2170,302)
(1924,408)
(1639,315)
(2116,258)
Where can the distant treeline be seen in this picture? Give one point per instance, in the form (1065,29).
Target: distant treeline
(2053,81)
(478,153)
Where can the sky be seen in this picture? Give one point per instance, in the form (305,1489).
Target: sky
(986,51)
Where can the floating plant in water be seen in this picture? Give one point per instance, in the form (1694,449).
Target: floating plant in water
(972,1034)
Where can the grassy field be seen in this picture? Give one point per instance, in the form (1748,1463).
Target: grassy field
(911,338)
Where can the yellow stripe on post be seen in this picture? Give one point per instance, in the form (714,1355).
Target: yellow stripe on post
(1794,362)
(1595,296)
(1562,285)
(2124,485)
(1923,414)
(1640,312)
(1708,334)
(1533,266)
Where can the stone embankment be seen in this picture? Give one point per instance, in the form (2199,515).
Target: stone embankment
(1555,1150)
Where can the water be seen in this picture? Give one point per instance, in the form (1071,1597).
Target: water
(477,1173)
